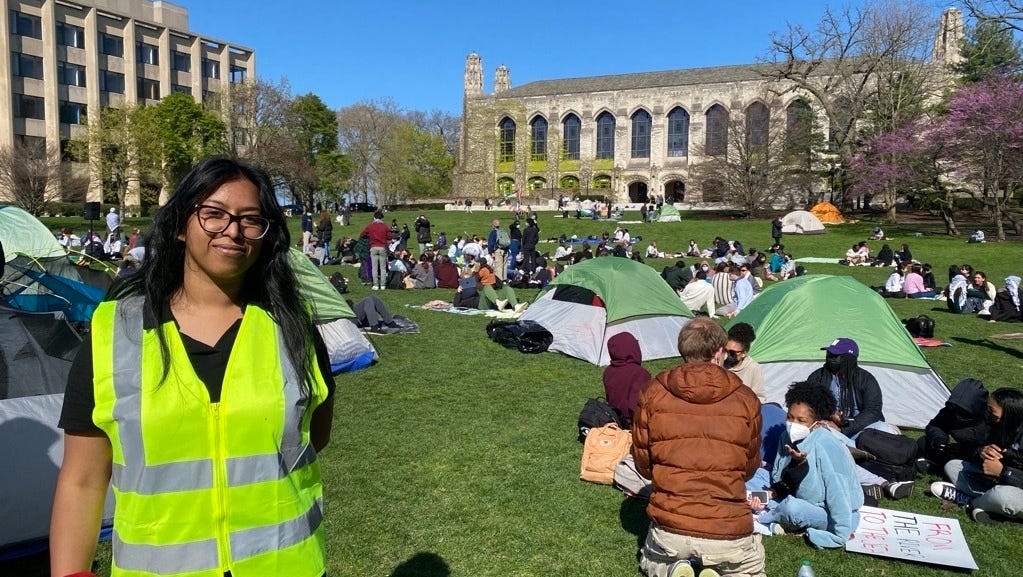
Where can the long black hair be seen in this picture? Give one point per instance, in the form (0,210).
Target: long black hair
(269,283)
(1009,428)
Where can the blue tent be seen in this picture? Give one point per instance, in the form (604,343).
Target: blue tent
(76,299)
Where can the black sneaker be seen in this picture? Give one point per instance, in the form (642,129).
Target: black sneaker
(981,516)
(873,492)
(948,492)
(900,490)
(926,466)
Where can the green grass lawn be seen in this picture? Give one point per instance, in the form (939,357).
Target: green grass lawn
(455,456)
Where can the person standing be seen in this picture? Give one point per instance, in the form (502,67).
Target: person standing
(202,397)
(497,243)
(307,228)
(530,238)
(776,231)
(696,434)
(325,232)
(378,235)
(423,236)
(113,220)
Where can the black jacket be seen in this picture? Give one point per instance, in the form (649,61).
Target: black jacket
(961,420)
(863,389)
(530,236)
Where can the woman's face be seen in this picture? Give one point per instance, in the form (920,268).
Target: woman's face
(224,256)
(994,411)
(979,280)
(801,413)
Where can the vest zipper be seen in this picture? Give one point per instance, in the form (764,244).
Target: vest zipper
(220,488)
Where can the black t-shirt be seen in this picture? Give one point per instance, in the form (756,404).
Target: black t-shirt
(209,363)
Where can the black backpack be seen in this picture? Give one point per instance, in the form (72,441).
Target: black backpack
(920,326)
(894,455)
(526,336)
(339,282)
(597,413)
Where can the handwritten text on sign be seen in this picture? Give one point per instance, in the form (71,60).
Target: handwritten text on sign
(911,536)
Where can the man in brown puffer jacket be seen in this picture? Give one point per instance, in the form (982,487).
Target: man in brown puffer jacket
(696,433)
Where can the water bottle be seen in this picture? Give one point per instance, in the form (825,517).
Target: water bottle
(805,569)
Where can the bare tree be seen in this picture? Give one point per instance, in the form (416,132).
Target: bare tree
(1008,13)
(364,130)
(30,174)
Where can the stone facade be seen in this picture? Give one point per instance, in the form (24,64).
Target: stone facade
(492,163)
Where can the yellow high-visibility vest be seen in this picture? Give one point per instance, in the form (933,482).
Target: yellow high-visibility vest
(202,488)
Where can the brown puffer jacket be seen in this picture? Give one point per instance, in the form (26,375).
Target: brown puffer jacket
(696,433)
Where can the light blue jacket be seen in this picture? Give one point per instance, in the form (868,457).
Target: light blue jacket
(830,484)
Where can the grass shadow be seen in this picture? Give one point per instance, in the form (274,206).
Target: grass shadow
(633,517)
(423,565)
(988,343)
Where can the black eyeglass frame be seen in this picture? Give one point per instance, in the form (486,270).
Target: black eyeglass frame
(231,218)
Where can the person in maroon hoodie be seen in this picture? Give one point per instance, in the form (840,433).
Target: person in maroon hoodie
(625,376)
(377,233)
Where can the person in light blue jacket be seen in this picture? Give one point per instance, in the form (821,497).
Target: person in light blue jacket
(814,484)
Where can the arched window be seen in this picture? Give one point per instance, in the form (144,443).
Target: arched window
(605,135)
(601,181)
(840,122)
(537,182)
(678,132)
(569,181)
(538,139)
(758,119)
(641,134)
(505,185)
(507,146)
(798,126)
(717,130)
(570,137)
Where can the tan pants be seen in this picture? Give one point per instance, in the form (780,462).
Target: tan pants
(743,557)
(500,264)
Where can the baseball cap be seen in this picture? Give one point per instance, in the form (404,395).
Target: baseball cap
(842,346)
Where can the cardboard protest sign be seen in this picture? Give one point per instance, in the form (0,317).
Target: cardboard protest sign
(912,537)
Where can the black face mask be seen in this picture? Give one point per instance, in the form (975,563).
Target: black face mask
(833,364)
(731,360)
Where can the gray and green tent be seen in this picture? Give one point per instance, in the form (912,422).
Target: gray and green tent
(668,213)
(598,298)
(795,318)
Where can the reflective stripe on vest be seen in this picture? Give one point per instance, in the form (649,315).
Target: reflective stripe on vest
(247,480)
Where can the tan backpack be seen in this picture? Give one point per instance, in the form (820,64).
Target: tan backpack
(604,447)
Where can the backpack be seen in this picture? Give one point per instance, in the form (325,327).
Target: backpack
(604,447)
(894,455)
(526,336)
(503,238)
(339,282)
(926,326)
(596,413)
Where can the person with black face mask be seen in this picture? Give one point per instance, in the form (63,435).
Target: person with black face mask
(738,361)
(856,390)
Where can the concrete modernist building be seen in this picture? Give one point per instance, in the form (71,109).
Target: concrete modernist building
(631,137)
(64,58)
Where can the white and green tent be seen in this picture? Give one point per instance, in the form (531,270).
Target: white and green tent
(668,213)
(598,298)
(795,318)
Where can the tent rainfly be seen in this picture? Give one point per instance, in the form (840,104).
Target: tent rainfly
(668,213)
(827,213)
(795,318)
(598,298)
(801,222)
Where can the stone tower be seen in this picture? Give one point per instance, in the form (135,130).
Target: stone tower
(473,75)
(502,81)
(949,38)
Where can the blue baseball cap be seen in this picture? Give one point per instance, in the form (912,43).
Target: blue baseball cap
(842,346)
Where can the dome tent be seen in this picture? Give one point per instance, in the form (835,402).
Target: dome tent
(668,213)
(827,213)
(795,318)
(598,298)
(801,222)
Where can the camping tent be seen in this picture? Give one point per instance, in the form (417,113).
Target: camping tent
(827,213)
(22,233)
(795,318)
(668,213)
(36,350)
(801,222)
(632,298)
(348,348)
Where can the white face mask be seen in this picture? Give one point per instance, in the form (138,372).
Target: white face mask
(797,431)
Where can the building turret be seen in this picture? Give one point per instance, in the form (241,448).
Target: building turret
(502,81)
(473,75)
(949,38)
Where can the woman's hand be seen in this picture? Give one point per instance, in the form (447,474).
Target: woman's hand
(794,453)
(991,453)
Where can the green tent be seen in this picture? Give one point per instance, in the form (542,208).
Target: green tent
(794,319)
(668,213)
(327,303)
(22,233)
(632,298)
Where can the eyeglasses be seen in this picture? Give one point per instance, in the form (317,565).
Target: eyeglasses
(216,220)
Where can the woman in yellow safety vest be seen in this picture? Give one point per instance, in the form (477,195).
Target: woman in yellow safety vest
(202,397)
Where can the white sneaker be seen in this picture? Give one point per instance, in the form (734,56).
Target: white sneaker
(899,490)
(681,569)
(948,492)
(501,303)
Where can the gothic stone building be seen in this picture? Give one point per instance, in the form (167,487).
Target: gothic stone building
(631,137)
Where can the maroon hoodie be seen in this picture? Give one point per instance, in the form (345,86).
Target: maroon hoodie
(625,376)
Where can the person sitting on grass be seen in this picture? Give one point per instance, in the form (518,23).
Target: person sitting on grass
(853,256)
(422,274)
(885,257)
(738,361)
(372,315)
(625,376)
(1006,307)
(813,480)
(990,484)
(914,287)
(494,292)
(959,429)
(979,293)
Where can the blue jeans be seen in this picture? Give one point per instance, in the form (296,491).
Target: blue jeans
(1003,500)
(795,514)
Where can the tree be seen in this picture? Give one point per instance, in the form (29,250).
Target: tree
(414,163)
(122,152)
(185,133)
(1008,14)
(989,47)
(866,68)
(984,132)
(30,174)
(322,168)
(364,130)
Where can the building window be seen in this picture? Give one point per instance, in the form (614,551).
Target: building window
(70,35)
(147,53)
(210,68)
(641,134)
(798,126)
(26,106)
(570,137)
(840,123)
(717,130)
(538,139)
(537,183)
(569,181)
(605,135)
(678,132)
(111,81)
(111,45)
(70,74)
(181,61)
(758,120)
(506,151)
(26,25)
(240,136)
(148,88)
(238,74)
(26,65)
(506,185)
(602,182)
(181,88)
(72,112)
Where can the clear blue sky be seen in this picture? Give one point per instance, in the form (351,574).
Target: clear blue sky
(414,52)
